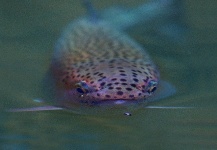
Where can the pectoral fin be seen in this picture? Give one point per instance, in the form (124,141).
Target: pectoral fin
(41,108)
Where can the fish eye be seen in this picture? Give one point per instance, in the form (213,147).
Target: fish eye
(82,87)
(152,86)
(80,90)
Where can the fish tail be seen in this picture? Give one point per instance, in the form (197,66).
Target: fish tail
(91,11)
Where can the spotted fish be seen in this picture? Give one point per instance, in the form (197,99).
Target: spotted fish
(95,63)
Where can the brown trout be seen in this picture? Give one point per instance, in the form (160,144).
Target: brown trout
(95,63)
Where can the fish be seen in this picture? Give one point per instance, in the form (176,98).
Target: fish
(96,63)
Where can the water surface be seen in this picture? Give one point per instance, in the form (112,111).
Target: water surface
(28,32)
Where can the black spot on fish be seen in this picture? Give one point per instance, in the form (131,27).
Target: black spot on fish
(95,73)
(110,88)
(121,70)
(136,80)
(133,85)
(100,74)
(109,84)
(131,96)
(118,88)
(139,71)
(146,80)
(122,74)
(124,83)
(108,96)
(128,89)
(123,80)
(102,84)
(120,93)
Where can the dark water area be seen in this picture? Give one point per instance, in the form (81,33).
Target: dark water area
(184,52)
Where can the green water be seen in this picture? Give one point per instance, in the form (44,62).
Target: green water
(28,32)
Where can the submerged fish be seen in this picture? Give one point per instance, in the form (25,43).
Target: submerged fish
(95,63)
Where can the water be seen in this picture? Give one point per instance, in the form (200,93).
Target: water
(28,31)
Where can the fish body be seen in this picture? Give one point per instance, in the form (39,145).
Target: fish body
(95,62)
(110,64)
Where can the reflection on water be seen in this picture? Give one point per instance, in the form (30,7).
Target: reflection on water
(28,32)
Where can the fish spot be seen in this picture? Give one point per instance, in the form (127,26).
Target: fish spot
(114,79)
(139,71)
(98,94)
(128,89)
(124,83)
(102,84)
(133,85)
(108,96)
(118,88)
(123,80)
(109,84)
(122,74)
(120,93)
(136,80)
(100,74)
(145,72)
(146,80)
(110,88)
(116,83)
(95,73)
(121,70)
(131,96)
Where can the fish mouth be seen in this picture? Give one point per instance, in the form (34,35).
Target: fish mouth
(113,102)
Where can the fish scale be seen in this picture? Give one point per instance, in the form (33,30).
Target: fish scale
(111,64)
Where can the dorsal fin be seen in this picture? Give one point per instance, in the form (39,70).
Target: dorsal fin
(91,11)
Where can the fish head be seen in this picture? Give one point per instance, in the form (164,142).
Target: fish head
(113,81)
